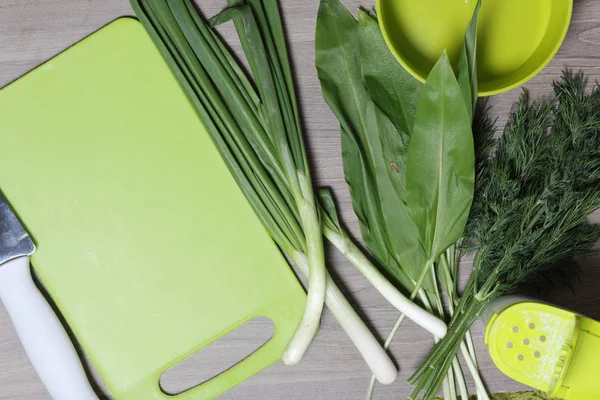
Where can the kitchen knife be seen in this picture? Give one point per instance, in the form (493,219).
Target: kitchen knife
(45,340)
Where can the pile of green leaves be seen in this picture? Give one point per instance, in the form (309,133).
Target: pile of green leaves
(530,216)
(343,48)
(412,201)
(408,149)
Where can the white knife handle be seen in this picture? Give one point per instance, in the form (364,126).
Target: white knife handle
(45,340)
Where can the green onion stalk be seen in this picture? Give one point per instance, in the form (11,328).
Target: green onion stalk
(228,102)
(455,373)
(256,127)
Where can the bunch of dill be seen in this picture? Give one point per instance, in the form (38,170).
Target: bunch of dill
(529,219)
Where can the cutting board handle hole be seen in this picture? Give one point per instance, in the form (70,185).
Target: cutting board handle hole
(218,357)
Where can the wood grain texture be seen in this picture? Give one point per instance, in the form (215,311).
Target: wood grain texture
(33,31)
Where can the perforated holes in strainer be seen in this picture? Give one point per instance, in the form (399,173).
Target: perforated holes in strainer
(526,341)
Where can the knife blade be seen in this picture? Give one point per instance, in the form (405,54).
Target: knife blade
(14,239)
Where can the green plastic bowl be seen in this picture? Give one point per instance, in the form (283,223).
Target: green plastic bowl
(516,38)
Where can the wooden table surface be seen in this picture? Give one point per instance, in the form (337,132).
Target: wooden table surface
(32,31)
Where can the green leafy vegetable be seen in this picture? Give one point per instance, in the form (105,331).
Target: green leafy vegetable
(278,112)
(386,226)
(395,92)
(391,87)
(339,68)
(467,65)
(441,165)
(375,100)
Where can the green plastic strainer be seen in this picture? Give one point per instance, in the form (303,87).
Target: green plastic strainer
(545,347)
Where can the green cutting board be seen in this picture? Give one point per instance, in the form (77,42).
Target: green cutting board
(145,242)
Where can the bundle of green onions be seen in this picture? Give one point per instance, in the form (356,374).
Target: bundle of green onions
(255,124)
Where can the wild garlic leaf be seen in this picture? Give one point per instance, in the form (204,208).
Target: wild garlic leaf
(441,162)
(467,65)
(403,234)
(389,85)
(395,94)
(395,91)
(467,80)
(385,223)
(338,68)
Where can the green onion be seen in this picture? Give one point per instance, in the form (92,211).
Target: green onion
(259,136)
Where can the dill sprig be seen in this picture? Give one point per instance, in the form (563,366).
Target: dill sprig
(529,219)
(484,132)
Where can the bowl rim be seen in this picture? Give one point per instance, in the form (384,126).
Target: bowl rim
(482,93)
